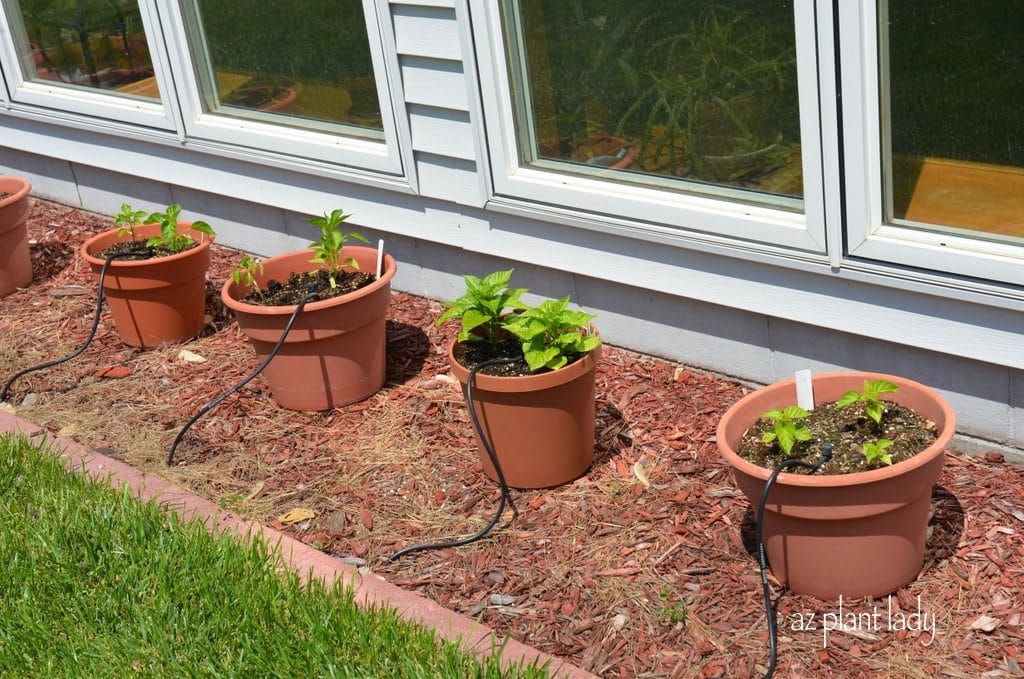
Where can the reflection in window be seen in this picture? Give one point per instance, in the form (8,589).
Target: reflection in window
(302,62)
(955,84)
(658,90)
(97,44)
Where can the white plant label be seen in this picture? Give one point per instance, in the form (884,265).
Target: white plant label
(804,390)
(380,256)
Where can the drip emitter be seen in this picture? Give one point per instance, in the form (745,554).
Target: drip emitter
(137,252)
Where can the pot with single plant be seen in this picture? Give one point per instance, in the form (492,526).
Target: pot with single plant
(15,258)
(857,526)
(334,353)
(537,410)
(156,287)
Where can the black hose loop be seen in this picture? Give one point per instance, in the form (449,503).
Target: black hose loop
(144,250)
(769,609)
(506,496)
(217,401)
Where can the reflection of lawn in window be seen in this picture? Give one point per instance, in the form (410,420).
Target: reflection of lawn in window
(308,58)
(956,72)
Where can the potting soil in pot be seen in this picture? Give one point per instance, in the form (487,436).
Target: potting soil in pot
(468,354)
(129,245)
(847,429)
(316,283)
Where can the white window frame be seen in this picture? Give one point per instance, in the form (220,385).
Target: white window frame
(656,209)
(868,235)
(92,102)
(360,153)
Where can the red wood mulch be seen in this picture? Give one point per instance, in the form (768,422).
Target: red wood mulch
(621,578)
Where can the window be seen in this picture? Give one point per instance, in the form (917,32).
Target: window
(299,78)
(937,169)
(697,115)
(87,56)
(305,63)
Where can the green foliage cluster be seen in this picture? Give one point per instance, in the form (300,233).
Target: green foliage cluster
(328,250)
(169,238)
(247,272)
(786,430)
(877,451)
(873,406)
(551,334)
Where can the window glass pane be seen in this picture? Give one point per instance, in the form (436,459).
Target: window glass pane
(303,62)
(676,94)
(97,44)
(953,83)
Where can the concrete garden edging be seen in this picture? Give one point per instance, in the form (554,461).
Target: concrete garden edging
(310,563)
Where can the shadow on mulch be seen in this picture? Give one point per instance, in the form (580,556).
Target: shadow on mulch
(49,258)
(611,433)
(408,348)
(947,524)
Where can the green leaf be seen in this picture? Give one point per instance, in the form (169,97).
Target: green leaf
(802,433)
(203,227)
(352,262)
(787,439)
(768,437)
(473,318)
(880,387)
(774,414)
(357,236)
(847,399)
(794,412)
(539,358)
(874,410)
(155,241)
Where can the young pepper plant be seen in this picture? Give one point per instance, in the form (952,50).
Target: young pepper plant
(552,334)
(128,219)
(873,406)
(247,272)
(482,306)
(877,451)
(328,250)
(169,236)
(785,428)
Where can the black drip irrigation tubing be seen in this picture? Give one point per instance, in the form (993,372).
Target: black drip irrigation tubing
(769,608)
(95,323)
(217,401)
(506,496)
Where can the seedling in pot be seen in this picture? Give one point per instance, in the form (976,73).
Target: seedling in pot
(482,306)
(247,272)
(128,219)
(877,451)
(328,250)
(786,430)
(873,406)
(552,334)
(169,237)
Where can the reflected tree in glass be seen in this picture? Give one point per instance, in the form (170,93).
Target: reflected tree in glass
(98,44)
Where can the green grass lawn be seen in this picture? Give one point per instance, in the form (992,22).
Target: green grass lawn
(96,584)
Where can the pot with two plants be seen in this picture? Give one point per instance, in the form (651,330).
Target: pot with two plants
(536,409)
(156,277)
(334,352)
(15,258)
(856,526)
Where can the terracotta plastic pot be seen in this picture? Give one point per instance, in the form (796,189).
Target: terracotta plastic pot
(335,352)
(541,427)
(854,535)
(154,301)
(15,260)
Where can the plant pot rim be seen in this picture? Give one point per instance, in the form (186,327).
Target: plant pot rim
(238,306)
(17,195)
(521,383)
(203,239)
(937,447)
